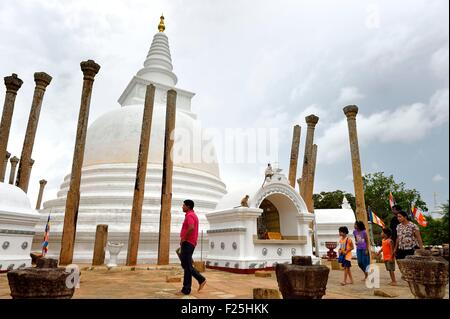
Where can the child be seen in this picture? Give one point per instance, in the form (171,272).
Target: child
(362,247)
(387,247)
(345,253)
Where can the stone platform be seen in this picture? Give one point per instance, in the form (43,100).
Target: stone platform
(149,282)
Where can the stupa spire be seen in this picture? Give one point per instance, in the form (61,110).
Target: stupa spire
(161,26)
(157,68)
(158,64)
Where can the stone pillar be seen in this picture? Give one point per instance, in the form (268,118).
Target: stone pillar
(166,187)
(305,188)
(299,182)
(312,175)
(30,167)
(89,69)
(13,84)
(12,173)
(350,111)
(294,155)
(5,164)
(141,172)
(101,237)
(42,184)
(42,80)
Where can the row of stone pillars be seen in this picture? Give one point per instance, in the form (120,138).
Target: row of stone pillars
(14,161)
(306,182)
(166,186)
(13,83)
(12,173)
(90,69)
(42,80)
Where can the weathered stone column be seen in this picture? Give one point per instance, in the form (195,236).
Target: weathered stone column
(12,173)
(305,188)
(141,172)
(166,187)
(13,84)
(350,111)
(312,175)
(5,164)
(42,184)
(42,80)
(294,155)
(101,237)
(90,69)
(30,167)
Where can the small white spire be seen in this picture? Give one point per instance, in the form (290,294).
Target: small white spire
(345,203)
(158,64)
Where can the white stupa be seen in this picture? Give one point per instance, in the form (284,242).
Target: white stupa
(17,222)
(110,161)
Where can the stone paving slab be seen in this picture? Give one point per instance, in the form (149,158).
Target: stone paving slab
(151,284)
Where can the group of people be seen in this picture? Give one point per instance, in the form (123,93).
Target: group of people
(400,240)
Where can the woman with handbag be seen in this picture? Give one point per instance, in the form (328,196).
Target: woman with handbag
(345,254)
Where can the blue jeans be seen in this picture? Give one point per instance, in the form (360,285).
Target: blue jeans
(363,259)
(187,250)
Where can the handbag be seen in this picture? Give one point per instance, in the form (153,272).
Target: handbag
(341,257)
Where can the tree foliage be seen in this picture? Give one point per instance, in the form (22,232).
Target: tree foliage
(436,232)
(330,200)
(376,195)
(377,187)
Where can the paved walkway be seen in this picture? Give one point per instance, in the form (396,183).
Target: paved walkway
(101,283)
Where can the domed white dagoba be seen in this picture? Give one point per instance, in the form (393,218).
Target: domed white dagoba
(17,222)
(110,162)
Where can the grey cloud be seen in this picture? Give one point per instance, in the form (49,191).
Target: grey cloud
(259,63)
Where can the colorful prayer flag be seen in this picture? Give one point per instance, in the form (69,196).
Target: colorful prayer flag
(375,219)
(391,200)
(46,236)
(419,216)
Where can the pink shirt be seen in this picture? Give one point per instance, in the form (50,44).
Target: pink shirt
(190,219)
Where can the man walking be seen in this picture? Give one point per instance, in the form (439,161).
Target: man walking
(188,241)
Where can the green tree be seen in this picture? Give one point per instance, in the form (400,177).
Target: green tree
(436,231)
(330,200)
(377,187)
(376,195)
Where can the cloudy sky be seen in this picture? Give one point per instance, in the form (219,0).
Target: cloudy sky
(252,64)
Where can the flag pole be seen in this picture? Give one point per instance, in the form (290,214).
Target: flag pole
(371,241)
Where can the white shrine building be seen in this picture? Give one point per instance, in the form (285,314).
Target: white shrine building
(328,222)
(235,241)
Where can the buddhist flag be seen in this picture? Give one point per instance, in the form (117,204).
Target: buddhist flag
(391,200)
(419,216)
(374,219)
(46,235)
